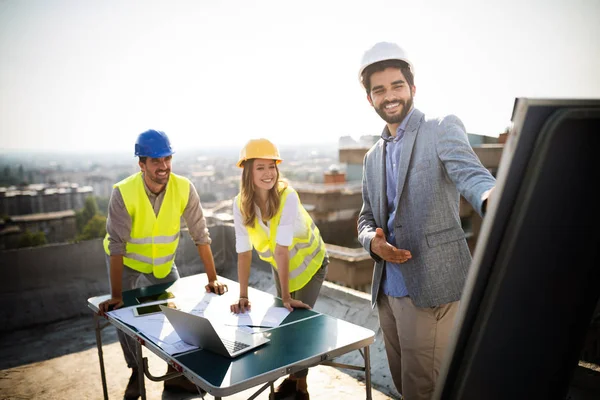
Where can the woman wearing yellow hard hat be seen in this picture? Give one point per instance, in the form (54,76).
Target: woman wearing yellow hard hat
(269,217)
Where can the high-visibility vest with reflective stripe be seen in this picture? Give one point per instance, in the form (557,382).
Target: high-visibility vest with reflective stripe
(154,238)
(306,253)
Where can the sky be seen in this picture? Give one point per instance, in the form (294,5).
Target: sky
(91,75)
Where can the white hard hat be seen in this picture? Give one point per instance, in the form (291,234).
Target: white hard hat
(383,51)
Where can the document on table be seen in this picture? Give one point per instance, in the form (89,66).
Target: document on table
(211,306)
(266,318)
(260,315)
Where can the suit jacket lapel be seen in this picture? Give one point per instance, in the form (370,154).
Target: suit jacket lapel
(408,142)
(383,209)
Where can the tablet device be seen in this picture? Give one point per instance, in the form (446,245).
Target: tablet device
(155,297)
(141,311)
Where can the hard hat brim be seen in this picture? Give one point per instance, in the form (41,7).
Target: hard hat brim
(156,155)
(240,163)
(362,69)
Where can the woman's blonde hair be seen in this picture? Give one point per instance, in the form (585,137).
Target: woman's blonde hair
(247,194)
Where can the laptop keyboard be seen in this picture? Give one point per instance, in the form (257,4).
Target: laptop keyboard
(234,346)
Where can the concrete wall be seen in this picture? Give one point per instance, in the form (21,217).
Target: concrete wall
(333,200)
(350,267)
(338,232)
(50,283)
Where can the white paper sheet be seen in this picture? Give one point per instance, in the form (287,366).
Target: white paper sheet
(157,327)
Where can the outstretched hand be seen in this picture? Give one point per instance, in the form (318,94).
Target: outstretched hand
(383,249)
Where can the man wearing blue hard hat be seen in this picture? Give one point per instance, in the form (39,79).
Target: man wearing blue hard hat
(143,229)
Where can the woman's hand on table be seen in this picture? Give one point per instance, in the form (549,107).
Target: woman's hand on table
(242,305)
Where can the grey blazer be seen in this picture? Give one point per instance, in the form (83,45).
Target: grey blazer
(437,165)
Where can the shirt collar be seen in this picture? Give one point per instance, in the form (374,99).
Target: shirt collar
(400,131)
(149,192)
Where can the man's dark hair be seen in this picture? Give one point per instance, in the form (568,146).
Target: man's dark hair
(382,65)
(143,160)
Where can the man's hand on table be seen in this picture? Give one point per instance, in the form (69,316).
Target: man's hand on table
(109,305)
(290,304)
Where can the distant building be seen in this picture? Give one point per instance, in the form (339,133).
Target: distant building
(214,185)
(334,175)
(9,236)
(334,207)
(218,213)
(43,198)
(351,154)
(101,185)
(352,158)
(58,227)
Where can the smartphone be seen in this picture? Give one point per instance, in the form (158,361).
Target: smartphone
(155,297)
(141,311)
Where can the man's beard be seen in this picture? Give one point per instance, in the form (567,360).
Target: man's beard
(398,118)
(160,180)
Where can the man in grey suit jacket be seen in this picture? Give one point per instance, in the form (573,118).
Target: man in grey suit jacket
(409,222)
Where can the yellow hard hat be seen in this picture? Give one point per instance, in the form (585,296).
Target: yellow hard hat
(258,148)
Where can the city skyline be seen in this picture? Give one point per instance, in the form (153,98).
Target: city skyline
(49,157)
(90,76)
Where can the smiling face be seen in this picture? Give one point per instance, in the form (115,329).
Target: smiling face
(265,174)
(156,172)
(391,96)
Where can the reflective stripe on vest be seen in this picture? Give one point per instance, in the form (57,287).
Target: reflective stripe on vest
(306,253)
(154,238)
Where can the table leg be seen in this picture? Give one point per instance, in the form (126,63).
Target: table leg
(140,363)
(368,372)
(100,354)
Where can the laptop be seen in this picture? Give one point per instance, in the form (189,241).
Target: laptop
(199,331)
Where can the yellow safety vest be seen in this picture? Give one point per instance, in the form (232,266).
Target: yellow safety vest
(154,239)
(306,253)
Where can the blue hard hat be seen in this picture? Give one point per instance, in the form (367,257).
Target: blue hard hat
(153,144)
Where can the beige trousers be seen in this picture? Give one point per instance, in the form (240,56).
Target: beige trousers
(415,340)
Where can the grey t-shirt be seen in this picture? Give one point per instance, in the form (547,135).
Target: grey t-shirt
(118,223)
